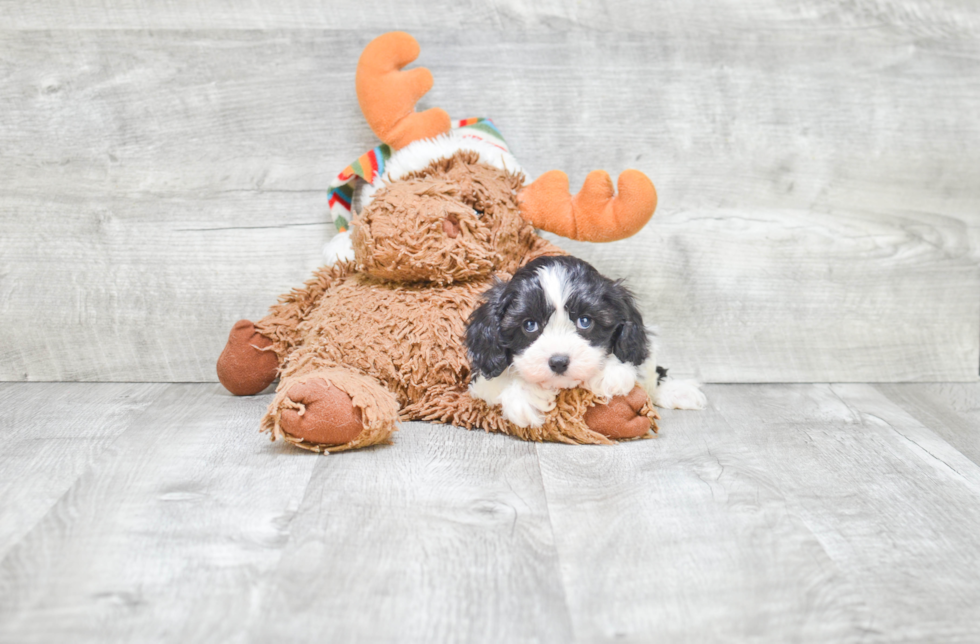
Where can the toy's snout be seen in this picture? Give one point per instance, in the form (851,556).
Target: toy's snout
(419,230)
(450,226)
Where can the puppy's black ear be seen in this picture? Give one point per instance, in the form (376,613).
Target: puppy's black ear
(484,342)
(630,342)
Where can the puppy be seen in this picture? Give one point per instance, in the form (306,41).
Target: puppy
(560,324)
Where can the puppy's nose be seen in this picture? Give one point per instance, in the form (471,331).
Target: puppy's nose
(558,364)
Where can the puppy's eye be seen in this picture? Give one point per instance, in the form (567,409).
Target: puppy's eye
(479,213)
(530,326)
(584,322)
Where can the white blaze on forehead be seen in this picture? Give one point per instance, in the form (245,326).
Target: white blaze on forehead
(554,283)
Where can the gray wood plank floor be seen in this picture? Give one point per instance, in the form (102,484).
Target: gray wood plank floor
(783,513)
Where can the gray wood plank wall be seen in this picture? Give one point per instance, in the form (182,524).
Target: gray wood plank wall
(164,166)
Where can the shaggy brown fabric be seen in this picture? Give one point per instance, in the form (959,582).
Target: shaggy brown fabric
(624,416)
(300,395)
(387,330)
(283,326)
(456,220)
(247,366)
(492,194)
(408,336)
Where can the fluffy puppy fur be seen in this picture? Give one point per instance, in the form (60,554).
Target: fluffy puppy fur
(557,324)
(665,391)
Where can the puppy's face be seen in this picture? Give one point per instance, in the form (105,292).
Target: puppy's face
(555,323)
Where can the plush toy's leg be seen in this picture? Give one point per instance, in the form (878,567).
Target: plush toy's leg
(247,366)
(251,359)
(331,409)
(629,416)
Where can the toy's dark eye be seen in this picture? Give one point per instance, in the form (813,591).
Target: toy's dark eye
(479,213)
(530,326)
(584,322)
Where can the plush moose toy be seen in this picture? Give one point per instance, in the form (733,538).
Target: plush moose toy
(378,336)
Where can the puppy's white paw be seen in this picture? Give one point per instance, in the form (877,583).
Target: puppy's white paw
(522,414)
(678,394)
(488,389)
(526,405)
(616,379)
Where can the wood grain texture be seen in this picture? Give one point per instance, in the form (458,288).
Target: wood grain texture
(168,533)
(818,205)
(141,288)
(926,17)
(951,410)
(784,296)
(443,536)
(782,513)
(50,435)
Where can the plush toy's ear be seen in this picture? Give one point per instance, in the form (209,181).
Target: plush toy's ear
(630,343)
(484,342)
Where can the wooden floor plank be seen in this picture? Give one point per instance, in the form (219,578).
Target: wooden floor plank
(167,535)
(50,434)
(442,537)
(897,508)
(950,409)
(782,513)
(686,537)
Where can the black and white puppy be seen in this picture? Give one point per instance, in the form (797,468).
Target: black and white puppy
(558,323)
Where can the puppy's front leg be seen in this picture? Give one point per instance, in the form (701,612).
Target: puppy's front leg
(525,404)
(615,379)
(522,403)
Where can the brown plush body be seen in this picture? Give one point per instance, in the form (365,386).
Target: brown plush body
(368,342)
(395,346)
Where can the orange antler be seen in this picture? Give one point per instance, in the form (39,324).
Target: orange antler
(388,95)
(596,213)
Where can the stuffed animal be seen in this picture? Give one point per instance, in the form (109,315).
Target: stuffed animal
(378,335)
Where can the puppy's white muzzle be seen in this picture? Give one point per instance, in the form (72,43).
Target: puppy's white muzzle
(559,360)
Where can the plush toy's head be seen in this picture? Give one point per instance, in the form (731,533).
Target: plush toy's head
(446,202)
(455,220)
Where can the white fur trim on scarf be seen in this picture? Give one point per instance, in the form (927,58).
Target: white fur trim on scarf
(419,154)
(338,248)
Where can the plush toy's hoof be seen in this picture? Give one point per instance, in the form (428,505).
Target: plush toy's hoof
(623,417)
(327,415)
(331,410)
(243,367)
